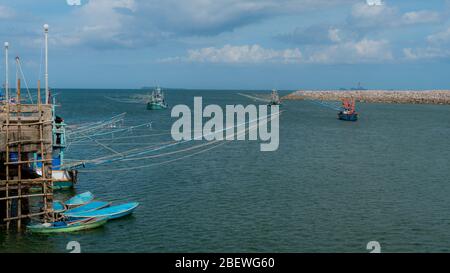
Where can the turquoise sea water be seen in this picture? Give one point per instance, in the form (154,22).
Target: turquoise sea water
(332,186)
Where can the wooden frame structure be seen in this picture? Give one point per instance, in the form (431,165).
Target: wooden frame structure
(25,142)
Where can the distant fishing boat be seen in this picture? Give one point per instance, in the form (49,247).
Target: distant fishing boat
(110,213)
(68,226)
(274,98)
(348,112)
(79,200)
(157,100)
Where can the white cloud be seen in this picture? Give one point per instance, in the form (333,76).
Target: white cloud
(134,23)
(363,51)
(334,35)
(437,47)
(411,54)
(378,16)
(441,37)
(250,54)
(6,13)
(375,12)
(209,17)
(421,17)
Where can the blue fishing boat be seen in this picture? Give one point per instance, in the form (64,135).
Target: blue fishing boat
(58,206)
(92,206)
(67,226)
(110,213)
(80,199)
(62,178)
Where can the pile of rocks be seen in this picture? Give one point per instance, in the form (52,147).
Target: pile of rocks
(376,96)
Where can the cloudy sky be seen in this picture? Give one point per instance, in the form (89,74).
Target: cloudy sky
(233,44)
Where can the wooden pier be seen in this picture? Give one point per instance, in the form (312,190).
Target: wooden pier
(25,142)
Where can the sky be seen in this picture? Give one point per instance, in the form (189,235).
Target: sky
(232,44)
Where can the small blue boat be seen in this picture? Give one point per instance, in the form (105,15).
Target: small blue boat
(92,206)
(80,199)
(112,212)
(58,206)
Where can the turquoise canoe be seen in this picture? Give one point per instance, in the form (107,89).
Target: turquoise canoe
(110,213)
(92,206)
(68,226)
(80,199)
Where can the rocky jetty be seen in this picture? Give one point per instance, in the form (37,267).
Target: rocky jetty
(376,96)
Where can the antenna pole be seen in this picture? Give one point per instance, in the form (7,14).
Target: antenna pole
(7,72)
(46,64)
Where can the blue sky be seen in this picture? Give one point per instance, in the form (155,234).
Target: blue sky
(233,44)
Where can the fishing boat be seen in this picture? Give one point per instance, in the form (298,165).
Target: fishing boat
(110,213)
(92,206)
(274,98)
(58,207)
(348,112)
(79,200)
(68,226)
(157,100)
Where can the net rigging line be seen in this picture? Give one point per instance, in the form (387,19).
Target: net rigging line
(185,141)
(96,125)
(175,159)
(254,97)
(84,137)
(134,156)
(19,69)
(329,105)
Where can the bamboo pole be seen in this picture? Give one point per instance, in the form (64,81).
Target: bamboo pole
(7,165)
(19,158)
(27,196)
(27,216)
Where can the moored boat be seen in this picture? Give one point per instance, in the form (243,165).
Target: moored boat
(110,213)
(80,199)
(68,226)
(58,206)
(92,206)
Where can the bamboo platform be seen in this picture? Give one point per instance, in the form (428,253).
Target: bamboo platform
(26,132)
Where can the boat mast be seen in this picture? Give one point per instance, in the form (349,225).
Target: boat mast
(46,64)
(7,72)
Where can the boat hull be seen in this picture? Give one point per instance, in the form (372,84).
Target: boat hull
(62,179)
(348,117)
(110,213)
(92,206)
(83,225)
(156,106)
(79,200)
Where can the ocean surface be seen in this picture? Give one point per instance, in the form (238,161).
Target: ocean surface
(332,186)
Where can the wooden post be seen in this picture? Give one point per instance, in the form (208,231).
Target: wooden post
(7,201)
(19,158)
